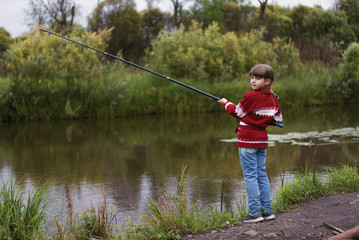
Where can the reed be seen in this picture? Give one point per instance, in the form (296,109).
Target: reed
(301,189)
(307,186)
(345,179)
(21,216)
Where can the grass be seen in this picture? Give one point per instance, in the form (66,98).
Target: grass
(307,187)
(119,92)
(171,216)
(21,217)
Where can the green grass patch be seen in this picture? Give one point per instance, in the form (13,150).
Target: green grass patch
(306,187)
(21,216)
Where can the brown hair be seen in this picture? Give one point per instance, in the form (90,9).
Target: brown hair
(264,71)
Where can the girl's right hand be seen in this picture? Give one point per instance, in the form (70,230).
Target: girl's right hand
(223,101)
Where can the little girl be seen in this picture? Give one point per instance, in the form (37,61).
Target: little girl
(256,111)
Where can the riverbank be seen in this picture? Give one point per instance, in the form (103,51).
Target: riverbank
(304,222)
(173,216)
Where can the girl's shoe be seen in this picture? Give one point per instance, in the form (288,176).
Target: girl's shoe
(268,214)
(253,218)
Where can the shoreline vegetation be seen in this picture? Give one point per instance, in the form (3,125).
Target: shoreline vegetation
(26,215)
(47,78)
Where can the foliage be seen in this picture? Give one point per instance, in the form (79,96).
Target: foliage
(5,42)
(277,24)
(153,22)
(300,190)
(127,35)
(58,15)
(21,217)
(208,11)
(351,9)
(97,220)
(345,179)
(304,188)
(174,215)
(53,79)
(207,55)
(320,34)
(229,15)
(349,73)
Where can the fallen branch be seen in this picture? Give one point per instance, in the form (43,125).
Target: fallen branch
(350,234)
(333,227)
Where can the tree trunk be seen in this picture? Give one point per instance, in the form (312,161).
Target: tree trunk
(263,9)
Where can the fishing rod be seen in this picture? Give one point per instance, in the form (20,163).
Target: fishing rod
(133,64)
(143,68)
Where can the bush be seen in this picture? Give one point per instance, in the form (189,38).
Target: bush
(208,55)
(349,73)
(51,78)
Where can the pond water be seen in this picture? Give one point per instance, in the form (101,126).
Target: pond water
(131,159)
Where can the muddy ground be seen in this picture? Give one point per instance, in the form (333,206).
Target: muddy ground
(304,222)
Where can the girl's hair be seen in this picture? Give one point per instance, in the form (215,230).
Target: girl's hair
(264,71)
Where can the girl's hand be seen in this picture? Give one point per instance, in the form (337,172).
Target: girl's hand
(223,101)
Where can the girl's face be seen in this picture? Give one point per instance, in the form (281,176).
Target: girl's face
(259,83)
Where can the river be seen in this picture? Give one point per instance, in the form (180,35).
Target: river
(133,158)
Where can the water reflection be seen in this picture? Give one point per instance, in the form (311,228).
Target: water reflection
(133,158)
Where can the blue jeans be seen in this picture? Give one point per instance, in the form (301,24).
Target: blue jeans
(255,176)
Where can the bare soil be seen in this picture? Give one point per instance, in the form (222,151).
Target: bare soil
(303,222)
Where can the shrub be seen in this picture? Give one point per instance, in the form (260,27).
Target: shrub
(208,55)
(349,73)
(54,79)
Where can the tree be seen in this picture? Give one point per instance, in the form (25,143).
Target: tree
(227,14)
(57,14)
(127,34)
(150,3)
(351,9)
(5,42)
(349,72)
(232,16)
(153,21)
(320,34)
(277,23)
(208,11)
(177,11)
(263,5)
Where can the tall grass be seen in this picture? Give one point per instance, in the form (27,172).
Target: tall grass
(117,91)
(306,187)
(149,95)
(174,215)
(21,216)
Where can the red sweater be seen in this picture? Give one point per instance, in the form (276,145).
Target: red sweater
(256,111)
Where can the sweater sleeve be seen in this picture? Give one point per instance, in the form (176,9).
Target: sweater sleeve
(241,109)
(278,116)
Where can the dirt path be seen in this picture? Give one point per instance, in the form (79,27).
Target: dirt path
(304,222)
